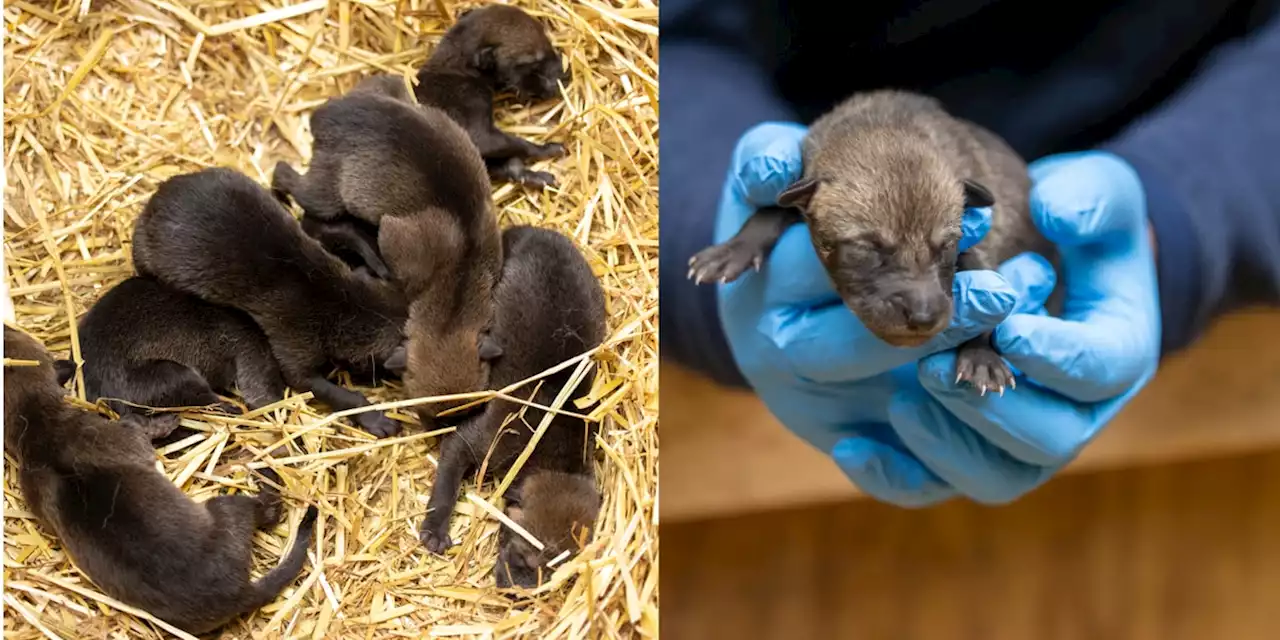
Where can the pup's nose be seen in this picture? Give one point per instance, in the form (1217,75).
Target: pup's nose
(920,312)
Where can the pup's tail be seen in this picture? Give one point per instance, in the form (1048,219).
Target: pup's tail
(269,586)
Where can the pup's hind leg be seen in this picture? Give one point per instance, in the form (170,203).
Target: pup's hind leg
(269,506)
(977,361)
(455,462)
(316,192)
(748,248)
(513,170)
(235,517)
(162,384)
(504,154)
(338,236)
(258,376)
(160,426)
(165,383)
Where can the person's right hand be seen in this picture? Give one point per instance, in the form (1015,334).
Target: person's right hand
(818,369)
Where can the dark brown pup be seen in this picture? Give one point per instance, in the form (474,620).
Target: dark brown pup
(550,308)
(147,345)
(219,235)
(493,49)
(413,172)
(887,176)
(137,536)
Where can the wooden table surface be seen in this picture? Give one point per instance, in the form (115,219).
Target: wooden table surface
(1170,552)
(722,452)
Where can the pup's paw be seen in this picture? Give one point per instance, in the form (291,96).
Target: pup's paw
(436,541)
(984,370)
(378,424)
(551,150)
(724,262)
(537,179)
(269,510)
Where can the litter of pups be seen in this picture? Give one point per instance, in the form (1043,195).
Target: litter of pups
(396,268)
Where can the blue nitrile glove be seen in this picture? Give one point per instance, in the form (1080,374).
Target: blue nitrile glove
(1074,373)
(820,372)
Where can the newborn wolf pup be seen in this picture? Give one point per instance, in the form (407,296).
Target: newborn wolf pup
(413,172)
(887,176)
(550,308)
(147,345)
(136,535)
(491,49)
(219,235)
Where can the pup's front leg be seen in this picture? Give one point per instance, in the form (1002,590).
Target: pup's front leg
(748,248)
(375,422)
(455,461)
(977,361)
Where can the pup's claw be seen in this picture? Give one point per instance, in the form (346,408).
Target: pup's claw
(434,541)
(724,262)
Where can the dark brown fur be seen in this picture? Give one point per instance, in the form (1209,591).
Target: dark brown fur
(414,173)
(550,308)
(496,48)
(93,482)
(219,235)
(147,345)
(887,175)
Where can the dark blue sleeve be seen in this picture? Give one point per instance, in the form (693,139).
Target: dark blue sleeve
(711,96)
(1209,160)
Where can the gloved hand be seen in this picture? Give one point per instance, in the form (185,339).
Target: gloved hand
(820,372)
(1075,372)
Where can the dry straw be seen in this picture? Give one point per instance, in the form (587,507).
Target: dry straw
(104,99)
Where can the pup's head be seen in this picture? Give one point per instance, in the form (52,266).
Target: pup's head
(510,48)
(886,226)
(441,361)
(22,380)
(449,349)
(560,510)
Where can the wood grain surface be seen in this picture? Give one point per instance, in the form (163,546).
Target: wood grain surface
(1172,552)
(723,453)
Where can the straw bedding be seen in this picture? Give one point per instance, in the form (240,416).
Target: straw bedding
(105,99)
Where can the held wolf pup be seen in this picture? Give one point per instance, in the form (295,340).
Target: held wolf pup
(887,176)
(221,236)
(94,483)
(550,308)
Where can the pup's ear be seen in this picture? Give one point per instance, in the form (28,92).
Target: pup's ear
(66,370)
(976,195)
(489,348)
(798,195)
(484,59)
(398,361)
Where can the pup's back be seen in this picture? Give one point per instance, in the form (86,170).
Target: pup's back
(901,135)
(219,234)
(398,158)
(549,308)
